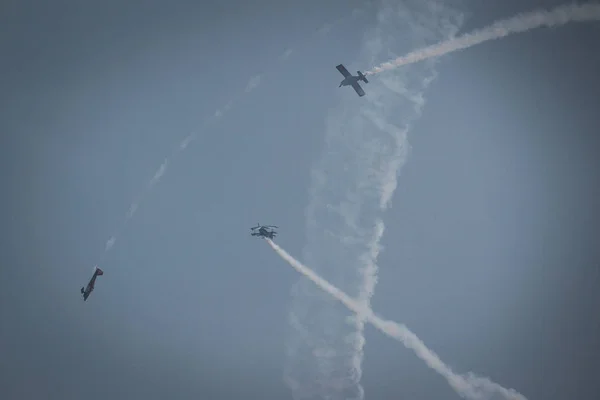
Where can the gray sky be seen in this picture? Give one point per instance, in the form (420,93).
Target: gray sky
(490,255)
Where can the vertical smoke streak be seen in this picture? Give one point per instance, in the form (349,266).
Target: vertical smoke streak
(351,185)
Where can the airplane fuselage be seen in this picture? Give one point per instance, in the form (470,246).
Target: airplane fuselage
(262,232)
(91,284)
(89,288)
(352,80)
(349,81)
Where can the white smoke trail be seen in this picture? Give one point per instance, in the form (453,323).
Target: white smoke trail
(560,15)
(469,386)
(286,54)
(252,84)
(110,243)
(159,173)
(352,184)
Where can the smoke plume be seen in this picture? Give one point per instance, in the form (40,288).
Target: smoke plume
(252,84)
(560,15)
(469,386)
(352,184)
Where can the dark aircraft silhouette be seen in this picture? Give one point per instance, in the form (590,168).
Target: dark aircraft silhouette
(265,231)
(351,80)
(90,286)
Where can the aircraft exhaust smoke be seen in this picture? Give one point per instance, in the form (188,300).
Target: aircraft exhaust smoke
(252,84)
(352,185)
(560,15)
(469,386)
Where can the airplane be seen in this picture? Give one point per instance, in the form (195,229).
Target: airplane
(90,286)
(264,231)
(351,80)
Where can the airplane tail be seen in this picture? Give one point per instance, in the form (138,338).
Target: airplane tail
(100,272)
(362,77)
(82,290)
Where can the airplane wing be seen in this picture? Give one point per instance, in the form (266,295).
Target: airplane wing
(358,89)
(343,70)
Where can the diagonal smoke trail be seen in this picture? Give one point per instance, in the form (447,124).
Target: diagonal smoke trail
(352,185)
(469,386)
(560,15)
(251,85)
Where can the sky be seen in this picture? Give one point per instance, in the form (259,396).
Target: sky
(490,245)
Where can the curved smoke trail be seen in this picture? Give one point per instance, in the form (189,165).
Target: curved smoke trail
(252,84)
(560,15)
(351,185)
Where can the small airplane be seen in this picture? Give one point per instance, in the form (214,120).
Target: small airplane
(90,286)
(264,231)
(351,80)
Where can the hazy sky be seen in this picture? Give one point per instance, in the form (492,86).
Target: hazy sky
(491,244)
